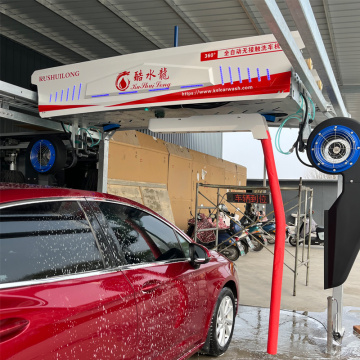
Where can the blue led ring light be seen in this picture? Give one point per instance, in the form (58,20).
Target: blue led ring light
(42,155)
(335,149)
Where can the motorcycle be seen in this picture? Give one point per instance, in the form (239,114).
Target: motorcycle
(230,240)
(232,246)
(241,234)
(257,237)
(235,228)
(256,233)
(316,234)
(269,229)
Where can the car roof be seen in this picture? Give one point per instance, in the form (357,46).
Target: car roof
(11,192)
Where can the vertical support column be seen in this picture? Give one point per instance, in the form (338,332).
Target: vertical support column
(337,311)
(13,157)
(309,239)
(297,237)
(103,164)
(176,36)
(337,307)
(264,182)
(74,131)
(264,174)
(196,209)
(217,217)
(329,324)
(304,222)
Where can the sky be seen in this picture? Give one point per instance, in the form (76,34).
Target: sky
(242,148)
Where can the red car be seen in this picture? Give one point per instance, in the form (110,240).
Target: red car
(85,275)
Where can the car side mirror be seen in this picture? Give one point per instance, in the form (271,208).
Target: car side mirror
(198,255)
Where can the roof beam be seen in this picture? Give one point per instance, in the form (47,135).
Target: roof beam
(350,89)
(187,20)
(122,15)
(332,37)
(278,26)
(306,24)
(250,14)
(97,35)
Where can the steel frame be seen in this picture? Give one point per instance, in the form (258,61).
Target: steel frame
(304,18)
(305,21)
(305,262)
(277,24)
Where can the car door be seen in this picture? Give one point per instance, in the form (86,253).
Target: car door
(60,297)
(171,295)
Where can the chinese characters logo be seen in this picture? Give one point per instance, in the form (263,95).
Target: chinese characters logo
(122,81)
(146,78)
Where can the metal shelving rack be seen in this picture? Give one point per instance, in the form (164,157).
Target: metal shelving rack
(304,206)
(305,202)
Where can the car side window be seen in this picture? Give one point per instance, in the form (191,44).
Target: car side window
(46,239)
(141,237)
(184,244)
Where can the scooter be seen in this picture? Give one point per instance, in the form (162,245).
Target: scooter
(257,237)
(241,234)
(256,233)
(235,228)
(316,235)
(232,246)
(269,229)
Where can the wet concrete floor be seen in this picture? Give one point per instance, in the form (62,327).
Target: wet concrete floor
(301,336)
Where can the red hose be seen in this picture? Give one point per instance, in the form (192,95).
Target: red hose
(279,246)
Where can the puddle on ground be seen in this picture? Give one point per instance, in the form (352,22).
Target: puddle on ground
(301,336)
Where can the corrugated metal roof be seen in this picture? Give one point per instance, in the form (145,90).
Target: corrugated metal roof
(24,35)
(344,26)
(73,31)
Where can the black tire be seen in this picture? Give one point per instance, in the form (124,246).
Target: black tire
(57,153)
(258,244)
(231,252)
(271,239)
(287,235)
(246,247)
(292,241)
(221,327)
